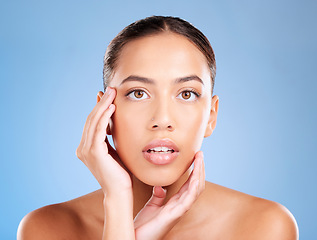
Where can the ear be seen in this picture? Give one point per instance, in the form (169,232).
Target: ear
(213,116)
(108,130)
(99,96)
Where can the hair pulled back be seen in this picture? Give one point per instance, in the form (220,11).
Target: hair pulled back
(151,26)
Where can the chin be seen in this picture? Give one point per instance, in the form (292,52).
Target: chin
(158,182)
(159,177)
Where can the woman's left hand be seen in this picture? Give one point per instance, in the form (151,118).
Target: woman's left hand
(155,220)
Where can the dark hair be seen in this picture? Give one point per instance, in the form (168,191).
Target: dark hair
(151,26)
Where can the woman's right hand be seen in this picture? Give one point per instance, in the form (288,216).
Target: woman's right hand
(97,154)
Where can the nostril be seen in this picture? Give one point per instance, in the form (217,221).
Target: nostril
(157,126)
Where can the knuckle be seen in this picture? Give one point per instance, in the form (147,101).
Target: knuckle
(79,153)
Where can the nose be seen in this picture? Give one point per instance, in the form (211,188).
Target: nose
(162,118)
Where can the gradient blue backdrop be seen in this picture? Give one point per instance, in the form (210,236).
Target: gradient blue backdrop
(51,70)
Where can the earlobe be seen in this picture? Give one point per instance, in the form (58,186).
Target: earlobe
(213,116)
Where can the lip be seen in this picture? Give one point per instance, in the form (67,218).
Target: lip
(161,158)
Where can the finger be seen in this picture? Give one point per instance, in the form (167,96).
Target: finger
(197,183)
(79,150)
(95,115)
(149,211)
(172,211)
(194,174)
(200,171)
(178,207)
(202,174)
(89,119)
(189,197)
(158,196)
(103,100)
(101,125)
(189,191)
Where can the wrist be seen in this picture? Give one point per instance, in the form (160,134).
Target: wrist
(117,198)
(118,210)
(118,194)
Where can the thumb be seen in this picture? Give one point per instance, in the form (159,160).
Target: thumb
(158,197)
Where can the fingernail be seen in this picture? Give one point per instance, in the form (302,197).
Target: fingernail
(111,106)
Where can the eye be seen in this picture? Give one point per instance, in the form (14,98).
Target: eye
(188,95)
(137,94)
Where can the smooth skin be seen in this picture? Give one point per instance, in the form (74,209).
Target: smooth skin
(135,112)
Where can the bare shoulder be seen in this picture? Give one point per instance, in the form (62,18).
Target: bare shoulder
(273,220)
(49,222)
(269,220)
(67,220)
(251,217)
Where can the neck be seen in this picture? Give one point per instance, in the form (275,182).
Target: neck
(142,192)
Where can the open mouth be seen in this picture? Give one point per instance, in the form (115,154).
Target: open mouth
(160,150)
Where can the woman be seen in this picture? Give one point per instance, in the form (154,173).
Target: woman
(158,106)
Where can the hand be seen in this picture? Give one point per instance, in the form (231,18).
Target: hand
(97,154)
(155,220)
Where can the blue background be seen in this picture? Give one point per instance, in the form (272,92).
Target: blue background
(51,70)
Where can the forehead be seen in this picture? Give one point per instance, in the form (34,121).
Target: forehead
(161,56)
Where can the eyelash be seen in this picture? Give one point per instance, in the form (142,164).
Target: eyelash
(193,91)
(197,94)
(135,90)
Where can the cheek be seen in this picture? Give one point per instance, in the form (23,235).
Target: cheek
(128,122)
(192,122)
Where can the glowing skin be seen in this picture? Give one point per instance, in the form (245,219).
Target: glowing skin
(152,103)
(159,109)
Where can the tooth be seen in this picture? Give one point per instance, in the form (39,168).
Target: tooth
(161,149)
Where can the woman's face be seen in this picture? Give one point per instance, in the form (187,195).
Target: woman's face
(164,107)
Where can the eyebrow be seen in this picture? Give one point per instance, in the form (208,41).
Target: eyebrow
(189,78)
(151,81)
(133,78)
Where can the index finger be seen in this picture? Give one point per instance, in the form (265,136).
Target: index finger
(94,116)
